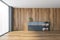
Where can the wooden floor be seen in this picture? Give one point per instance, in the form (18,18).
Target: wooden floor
(31,35)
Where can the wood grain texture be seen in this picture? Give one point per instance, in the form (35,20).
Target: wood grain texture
(21,17)
(58,19)
(31,35)
(51,19)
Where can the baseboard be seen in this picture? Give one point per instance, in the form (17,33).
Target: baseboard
(3,34)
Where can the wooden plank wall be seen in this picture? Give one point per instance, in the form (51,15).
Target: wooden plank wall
(21,17)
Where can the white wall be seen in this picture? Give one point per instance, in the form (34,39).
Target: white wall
(4,18)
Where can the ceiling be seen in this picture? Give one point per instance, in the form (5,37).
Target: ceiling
(33,3)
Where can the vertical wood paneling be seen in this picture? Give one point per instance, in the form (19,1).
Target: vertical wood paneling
(30,12)
(51,19)
(55,18)
(40,17)
(21,17)
(33,14)
(43,14)
(26,19)
(58,19)
(48,15)
(36,14)
(15,20)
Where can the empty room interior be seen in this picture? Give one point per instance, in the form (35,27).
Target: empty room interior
(29,19)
